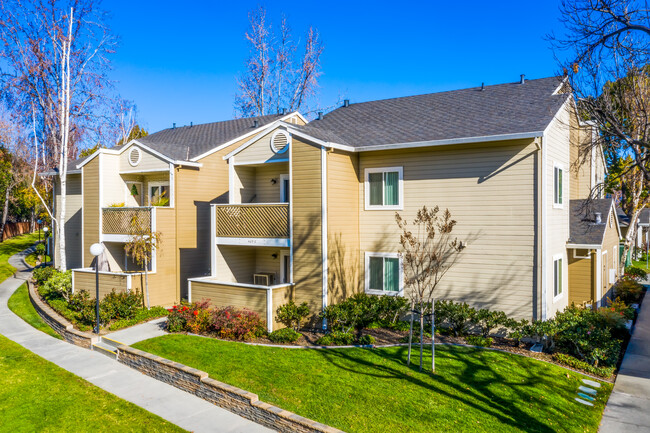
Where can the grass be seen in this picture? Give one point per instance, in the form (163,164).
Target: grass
(37,395)
(20,304)
(370,390)
(141,316)
(30,259)
(10,247)
(641,264)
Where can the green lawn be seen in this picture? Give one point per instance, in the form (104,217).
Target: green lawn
(372,390)
(641,264)
(31,259)
(37,395)
(10,247)
(20,304)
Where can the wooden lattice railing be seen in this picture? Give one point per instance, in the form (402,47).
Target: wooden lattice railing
(119,220)
(253,220)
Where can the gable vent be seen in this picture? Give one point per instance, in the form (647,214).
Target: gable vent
(135,155)
(280,142)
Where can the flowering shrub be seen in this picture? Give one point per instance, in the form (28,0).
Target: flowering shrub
(628,290)
(227,322)
(635,273)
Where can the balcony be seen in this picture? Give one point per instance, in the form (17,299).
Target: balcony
(84,279)
(253,222)
(120,220)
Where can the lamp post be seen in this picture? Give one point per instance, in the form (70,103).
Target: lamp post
(39,229)
(47,245)
(96,250)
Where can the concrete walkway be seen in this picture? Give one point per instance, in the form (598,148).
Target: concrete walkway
(172,404)
(628,408)
(144,331)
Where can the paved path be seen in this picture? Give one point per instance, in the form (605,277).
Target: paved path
(172,404)
(144,331)
(628,408)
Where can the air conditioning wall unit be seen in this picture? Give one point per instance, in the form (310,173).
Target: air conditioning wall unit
(264,279)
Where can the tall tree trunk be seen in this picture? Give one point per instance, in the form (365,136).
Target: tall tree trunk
(421,331)
(433,336)
(5,210)
(630,238)
(31,221)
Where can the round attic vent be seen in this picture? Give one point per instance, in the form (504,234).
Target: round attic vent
(135,155)
(280,141)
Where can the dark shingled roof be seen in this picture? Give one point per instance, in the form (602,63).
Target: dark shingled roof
(178,143)
(583,229)
(644,216)
(496,110)
(623,219)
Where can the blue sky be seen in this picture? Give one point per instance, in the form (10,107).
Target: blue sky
(178,60)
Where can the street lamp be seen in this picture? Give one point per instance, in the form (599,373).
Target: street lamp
(96,250)
(47,246)
(39,229)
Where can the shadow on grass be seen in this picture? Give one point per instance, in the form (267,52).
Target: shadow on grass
(481,376)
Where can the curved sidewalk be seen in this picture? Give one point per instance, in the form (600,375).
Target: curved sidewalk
(628,407)
(176,406)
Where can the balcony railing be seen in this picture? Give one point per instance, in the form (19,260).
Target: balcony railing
(122,220)
(252,220)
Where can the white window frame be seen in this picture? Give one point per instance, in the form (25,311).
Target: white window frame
(283,254)
(284,177)
(557,166)
(366,186)
(159,183)
(556,258)
(576,256)
(368,255)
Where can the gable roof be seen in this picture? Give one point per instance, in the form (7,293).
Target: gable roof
(583,228)
(498,110)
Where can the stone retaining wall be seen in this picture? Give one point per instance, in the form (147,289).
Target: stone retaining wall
(58,323)
(243,403)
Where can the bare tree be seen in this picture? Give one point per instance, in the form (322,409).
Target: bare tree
(55,64)
(276,77)
(428,253)
(604,53)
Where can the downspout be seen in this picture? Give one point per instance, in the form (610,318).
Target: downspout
(542,228)
(324,267)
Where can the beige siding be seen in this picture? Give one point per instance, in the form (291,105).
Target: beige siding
(244,184)
(107,283)
(580,279)
(113,187)
(306,204)
(343,225)
(235,264)
(610,265)
(162,283)
(73,224)
(260,151)
(221,295)
(91,211)
(265,190)
(557,217)
(115,254)
(490,192)
(148,162)
(580,181)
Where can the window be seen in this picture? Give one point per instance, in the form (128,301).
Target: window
(383,273)
(557,186)
(159,194)
(384,188)
(557,277)
(284,188)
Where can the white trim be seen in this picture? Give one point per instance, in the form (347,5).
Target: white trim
(261,161)
(133,149)
(172,195)
(323,211)
(604,270)
(599,276)
(92,271)
(269,309)
(128,284)
(284,177)
(189,291)
(152,170)
(213,243)
(584,246)
(366,273)
(115,238)
(210,280)
(83,199)
(158,183)
(291,215)
(231,181)
(248,134)
(562,83)
(286,147)
(558,166)
(154,253)
(366,188)
(254,242)
(100,176)
(543,227)
(560,295)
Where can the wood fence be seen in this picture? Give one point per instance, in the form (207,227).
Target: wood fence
(16,229)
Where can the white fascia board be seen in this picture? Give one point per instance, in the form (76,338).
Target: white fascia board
(260,131)
(248,134)
(583,246)
(562,83)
